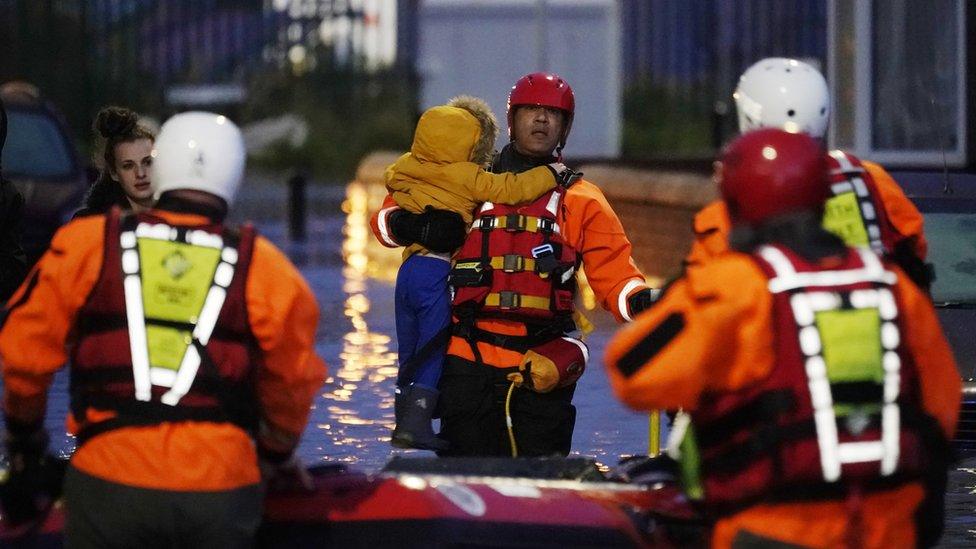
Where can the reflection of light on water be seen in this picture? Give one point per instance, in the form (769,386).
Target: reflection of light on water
(366,361)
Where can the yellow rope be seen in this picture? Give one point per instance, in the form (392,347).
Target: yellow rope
(654,434)
(508,419)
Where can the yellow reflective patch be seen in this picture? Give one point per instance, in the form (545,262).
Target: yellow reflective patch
(851,342)
(842,216)
(166,346)
(468,265)
(690,466)
(175,278)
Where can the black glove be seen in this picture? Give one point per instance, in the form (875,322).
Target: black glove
(440,231)
(642,300)
(35,477)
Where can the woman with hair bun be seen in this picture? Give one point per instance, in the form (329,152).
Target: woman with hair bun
(124,158)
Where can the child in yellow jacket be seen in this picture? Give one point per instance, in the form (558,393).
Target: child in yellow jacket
(443,170)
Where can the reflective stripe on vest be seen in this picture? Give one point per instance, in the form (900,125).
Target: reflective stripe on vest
(162,268)
(836,339)
(850,213)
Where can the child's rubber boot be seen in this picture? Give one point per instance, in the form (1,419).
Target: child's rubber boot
(413,407)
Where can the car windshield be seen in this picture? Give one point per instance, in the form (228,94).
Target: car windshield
(35,147)
(952,249)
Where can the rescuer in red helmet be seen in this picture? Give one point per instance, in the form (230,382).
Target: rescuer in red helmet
(820,388)
(514,342)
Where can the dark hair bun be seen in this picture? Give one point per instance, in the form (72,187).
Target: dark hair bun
(115,121)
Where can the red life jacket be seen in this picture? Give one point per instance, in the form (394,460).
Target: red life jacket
(515,263)
(103,372)
(856,196)
(841,405)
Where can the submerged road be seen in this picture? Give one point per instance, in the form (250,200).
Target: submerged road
(353,415)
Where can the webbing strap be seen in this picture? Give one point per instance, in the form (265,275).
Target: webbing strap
(513,263)
(515,300)
(517,222)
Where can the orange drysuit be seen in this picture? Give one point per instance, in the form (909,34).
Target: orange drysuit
(905,223)
(725,345)
(590,225)
(178,456)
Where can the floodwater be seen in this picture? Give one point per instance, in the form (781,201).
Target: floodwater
(353,414)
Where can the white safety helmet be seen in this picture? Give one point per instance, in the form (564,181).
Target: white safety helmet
(778,92)
(200,151)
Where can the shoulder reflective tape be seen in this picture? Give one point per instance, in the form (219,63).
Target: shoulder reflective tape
(622,298)
(844,162)
(582,347)
(229,255)
(135,316)
(203,238)
(130,262)
(860,452)
(652,344)
(486,206)
(868,210)
(553,204)
(184,377)
(162,377)
(127,239)
(788,279)
(841,188)
(890,434)
(224,274)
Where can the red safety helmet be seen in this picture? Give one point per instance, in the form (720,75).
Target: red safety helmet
(545,89)
(770,172)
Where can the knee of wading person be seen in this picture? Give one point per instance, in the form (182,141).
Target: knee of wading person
(544,423)
(470,419)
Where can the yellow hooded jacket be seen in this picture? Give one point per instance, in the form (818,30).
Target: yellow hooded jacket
(437,171)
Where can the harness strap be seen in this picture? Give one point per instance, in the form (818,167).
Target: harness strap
(513,263)
(515,300)
(517,222)
(466,329)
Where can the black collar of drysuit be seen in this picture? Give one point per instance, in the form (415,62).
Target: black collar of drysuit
(801,233)
(510,160)
(176,204)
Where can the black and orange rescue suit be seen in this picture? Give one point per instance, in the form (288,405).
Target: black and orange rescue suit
(820,389)
(867,208)
(514,282)
(191,353)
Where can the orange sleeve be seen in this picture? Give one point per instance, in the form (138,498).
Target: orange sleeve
(711,227)
(284,315)
(42,312)
(593,228)
(901,212)
(379,223)
(702,336)
(939,378)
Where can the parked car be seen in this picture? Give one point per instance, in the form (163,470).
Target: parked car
(948,204)
(41,160)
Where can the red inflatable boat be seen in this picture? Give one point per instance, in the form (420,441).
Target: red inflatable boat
(462,502)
